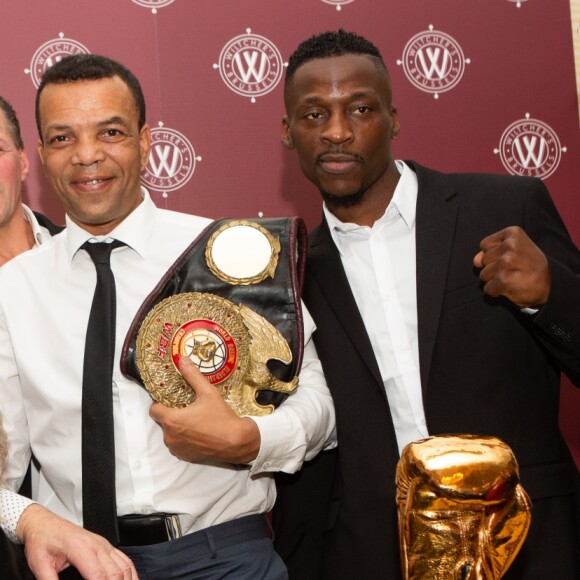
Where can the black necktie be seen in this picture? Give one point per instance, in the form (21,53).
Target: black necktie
(98,441)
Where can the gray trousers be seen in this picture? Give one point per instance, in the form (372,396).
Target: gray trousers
(239,549)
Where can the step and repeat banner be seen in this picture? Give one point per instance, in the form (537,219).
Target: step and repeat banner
(481,85)
(575,18)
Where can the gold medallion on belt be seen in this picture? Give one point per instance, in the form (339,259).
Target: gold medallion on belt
(229,344)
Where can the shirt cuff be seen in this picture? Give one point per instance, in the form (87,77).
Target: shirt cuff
(282,448)
(11,507)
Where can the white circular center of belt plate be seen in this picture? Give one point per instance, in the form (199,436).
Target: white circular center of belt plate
(241,252)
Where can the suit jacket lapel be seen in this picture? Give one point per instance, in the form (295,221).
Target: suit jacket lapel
(325,265)
(435,230)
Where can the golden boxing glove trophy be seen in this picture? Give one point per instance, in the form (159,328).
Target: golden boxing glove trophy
(462,511)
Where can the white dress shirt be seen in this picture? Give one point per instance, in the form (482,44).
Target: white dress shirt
(45,300)
(379,262)
(12,504)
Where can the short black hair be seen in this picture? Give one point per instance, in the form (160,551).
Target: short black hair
(90,67)
(13,124)
(331,43)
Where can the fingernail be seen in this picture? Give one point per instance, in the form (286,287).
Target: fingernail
(185,360)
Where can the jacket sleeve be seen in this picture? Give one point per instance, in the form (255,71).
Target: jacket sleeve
(557,324)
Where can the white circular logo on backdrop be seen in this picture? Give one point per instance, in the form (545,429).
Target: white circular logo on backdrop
(433,61)
(530,147)
(250,65)
(338,3)
(172,160)
(50,53)
(153,4)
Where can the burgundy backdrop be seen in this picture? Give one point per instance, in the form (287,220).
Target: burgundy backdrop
(486,85)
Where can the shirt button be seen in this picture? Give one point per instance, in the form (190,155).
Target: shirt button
(137,464)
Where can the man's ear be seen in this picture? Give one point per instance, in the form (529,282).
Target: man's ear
(145,143)
(396,126)
(40,150)
(286,138)
(25,164)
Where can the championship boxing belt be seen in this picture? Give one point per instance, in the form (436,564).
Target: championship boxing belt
(462,511)
(231,303)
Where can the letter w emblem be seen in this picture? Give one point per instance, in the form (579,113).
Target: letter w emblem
(433,62)
(528,152)
(248,69)
(163,164)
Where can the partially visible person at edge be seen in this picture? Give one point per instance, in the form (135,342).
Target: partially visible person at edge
(21,229)
(444,303)
(202,468)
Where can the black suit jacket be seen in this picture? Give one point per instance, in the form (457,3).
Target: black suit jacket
(12,561)
(44,221)
(486,368)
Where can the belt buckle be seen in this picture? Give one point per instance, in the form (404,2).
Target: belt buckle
(173,526)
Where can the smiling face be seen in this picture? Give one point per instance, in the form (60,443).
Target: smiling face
(93,151)
(340,120)
(13,171)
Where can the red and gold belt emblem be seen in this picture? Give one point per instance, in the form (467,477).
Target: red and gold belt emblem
(229,344)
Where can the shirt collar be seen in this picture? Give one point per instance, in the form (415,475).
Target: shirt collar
(405,195)
(403,203)
(134,230)
(40,233)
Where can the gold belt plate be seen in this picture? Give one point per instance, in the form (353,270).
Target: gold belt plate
(229,344)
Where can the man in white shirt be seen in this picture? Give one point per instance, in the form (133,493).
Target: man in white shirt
(443,303)
(93,145)
(20,229)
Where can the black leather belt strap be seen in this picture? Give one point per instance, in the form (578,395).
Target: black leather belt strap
(276,299)
(137,530)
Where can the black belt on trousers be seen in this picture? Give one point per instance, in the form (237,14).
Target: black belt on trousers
(138,530)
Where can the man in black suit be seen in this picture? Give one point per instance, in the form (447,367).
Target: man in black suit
(443,303)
